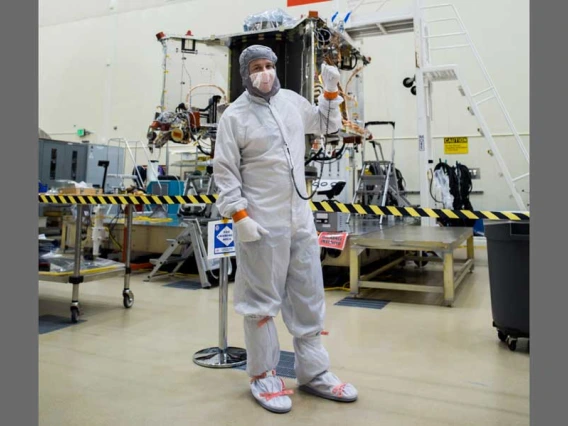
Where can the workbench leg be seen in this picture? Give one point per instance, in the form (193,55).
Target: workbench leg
(448,279)
(76,279)
(354,271)
(75,308)
(470,251)
(127,295)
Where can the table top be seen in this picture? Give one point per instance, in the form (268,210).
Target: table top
(413,237)
(364,225)
(171,221)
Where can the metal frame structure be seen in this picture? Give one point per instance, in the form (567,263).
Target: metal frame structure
(296,76)
(414,19)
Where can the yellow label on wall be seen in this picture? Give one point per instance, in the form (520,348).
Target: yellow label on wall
(457,145)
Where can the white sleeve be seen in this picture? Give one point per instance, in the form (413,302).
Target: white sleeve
(316,117)
(226,164)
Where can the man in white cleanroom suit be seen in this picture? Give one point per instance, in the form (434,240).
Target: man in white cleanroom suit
(259,153)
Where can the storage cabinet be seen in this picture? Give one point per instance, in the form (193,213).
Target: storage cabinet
(59,160)
(79,162)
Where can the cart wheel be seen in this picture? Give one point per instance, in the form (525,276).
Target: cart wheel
(128,299)
(74,314)
(502,336)
(512,344)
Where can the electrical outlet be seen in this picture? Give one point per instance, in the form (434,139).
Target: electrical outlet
(475,173)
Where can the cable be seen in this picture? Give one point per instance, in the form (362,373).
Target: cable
(111,227)
(351,77)
(313,157)
(323,36)
(326,160)
(294,179)
(203,151)
(321,171)
(344,67)
(113,239)
(188,97)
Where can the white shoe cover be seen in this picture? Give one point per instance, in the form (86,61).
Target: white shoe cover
(271,393)
(327,385)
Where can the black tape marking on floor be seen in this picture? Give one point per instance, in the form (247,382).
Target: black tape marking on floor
(363,303)
(49,323)
(186,285)
(285,366)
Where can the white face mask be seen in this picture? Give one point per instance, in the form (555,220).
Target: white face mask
(263,80)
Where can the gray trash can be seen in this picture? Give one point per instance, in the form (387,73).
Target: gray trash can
(508,258)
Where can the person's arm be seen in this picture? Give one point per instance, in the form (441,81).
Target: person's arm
(326,116)
(231,203)
(226,170)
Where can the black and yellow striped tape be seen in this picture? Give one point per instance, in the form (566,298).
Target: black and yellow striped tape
(127,199)
(323,206)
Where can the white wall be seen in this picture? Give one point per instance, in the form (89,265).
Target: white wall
(100,68)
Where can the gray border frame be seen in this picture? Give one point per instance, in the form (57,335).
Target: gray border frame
(549,289)
(19,310)
(19,313)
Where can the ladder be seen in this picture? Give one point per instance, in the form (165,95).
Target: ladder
(432,74)
(190,239)
(378,178)
(375,176)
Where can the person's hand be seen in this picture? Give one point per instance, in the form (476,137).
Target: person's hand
(248,230)
(330,76)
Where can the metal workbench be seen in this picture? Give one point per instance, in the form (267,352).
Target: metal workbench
(409,238)
(81,275)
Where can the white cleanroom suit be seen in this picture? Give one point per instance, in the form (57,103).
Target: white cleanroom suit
(260,140)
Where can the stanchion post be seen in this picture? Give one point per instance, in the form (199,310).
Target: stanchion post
(222,356)
(223,303)
(127,294)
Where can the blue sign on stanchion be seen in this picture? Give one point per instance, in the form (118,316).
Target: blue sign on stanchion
(221,241)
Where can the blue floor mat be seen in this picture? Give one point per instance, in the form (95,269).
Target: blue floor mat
(285,366)
(363,303)
(186,285)
(49,323)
